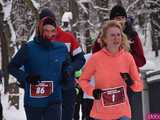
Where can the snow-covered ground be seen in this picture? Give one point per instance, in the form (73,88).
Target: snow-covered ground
(152,61)
(10,112)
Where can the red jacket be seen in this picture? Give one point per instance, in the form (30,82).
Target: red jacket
(70,41)
(76,53)
(136,50)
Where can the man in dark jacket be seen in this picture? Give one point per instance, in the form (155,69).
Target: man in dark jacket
(44,64)
(119,13)
(77,61)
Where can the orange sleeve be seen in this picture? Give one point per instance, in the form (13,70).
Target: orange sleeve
(87,73)
(138,82)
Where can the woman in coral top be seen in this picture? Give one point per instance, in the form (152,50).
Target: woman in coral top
(113,68)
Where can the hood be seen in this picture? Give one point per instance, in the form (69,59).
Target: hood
(111,54)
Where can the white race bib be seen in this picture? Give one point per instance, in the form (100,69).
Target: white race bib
(113,96)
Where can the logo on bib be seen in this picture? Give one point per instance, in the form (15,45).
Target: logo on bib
(113,96)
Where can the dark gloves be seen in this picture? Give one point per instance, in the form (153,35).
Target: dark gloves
(78,89)
(79,94)
(68,72)
(127,78)
(33,79)
(67,75)
(97,93)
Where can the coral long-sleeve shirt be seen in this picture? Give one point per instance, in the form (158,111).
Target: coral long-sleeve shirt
(106,69)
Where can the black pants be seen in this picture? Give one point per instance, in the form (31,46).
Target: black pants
(52,112)
(1,111)
(135,101)
(86,105)
(78,104)
(68,96)
(86,109)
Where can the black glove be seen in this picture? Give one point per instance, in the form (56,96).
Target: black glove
(78,89)
(67,74)
(33,79)
(97,93)
(127,78)
(65,78)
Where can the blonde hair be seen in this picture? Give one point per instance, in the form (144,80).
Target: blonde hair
(113,23)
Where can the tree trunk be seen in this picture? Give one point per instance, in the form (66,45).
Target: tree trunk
(32,7)
(73,7)
(87,31)
(155,24)
(5,36)
(4,50)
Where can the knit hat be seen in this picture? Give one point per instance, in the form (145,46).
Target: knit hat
(117,11)
(46,12)
(42,22)
(48,20)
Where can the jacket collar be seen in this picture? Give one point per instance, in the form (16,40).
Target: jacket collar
(43,43)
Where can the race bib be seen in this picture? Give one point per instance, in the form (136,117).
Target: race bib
(113,96)
(43,89)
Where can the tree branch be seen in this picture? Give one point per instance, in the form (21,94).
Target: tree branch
(32,7)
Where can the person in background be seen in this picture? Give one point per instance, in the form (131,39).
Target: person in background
(83,101)
(119,14)
(44,64)
(77,61)
(107,66)
(88,100)
(79,97)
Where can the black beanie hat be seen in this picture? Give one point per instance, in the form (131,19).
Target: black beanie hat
(46,12)
(117,11)
(49,20)
(42,22)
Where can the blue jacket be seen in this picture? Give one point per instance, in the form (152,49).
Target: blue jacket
(44,59)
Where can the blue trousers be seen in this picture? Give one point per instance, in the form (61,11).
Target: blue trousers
(52,112)
(68,97)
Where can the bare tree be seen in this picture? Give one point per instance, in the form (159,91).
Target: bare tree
(5,36)
(154,6)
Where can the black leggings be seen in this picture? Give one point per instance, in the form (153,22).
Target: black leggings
(1,111)
(86,109)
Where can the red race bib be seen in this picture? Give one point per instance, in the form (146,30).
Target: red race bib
(113,96)
(43,89)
